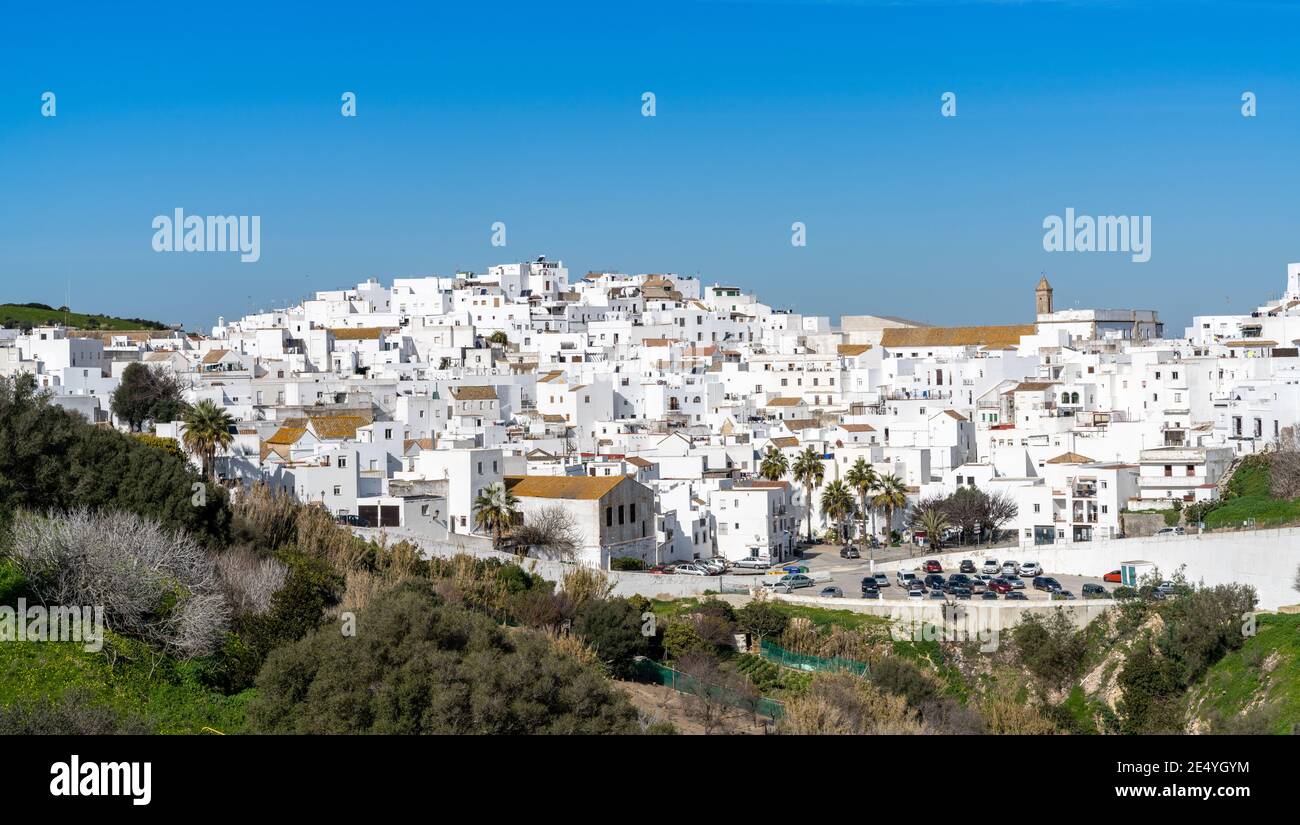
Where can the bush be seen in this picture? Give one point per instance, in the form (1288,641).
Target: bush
(159,586)
(841,703)
(626,563)
(418,665)
(613,630)
(1051,649)
(682,639)
(74,713)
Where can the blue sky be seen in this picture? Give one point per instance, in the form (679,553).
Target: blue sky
(767,113)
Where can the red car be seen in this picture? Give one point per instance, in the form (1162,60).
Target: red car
(658,568)
(933,566)
(1113,576)
(1001,586)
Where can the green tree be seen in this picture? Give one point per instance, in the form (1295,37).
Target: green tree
(774,465)
(612,628)
(419,666)
(837,505)
(891,496)
(495,510)
(145,394)
(931,517)
(207,430)
(862,479)
(761,619)
(809,471)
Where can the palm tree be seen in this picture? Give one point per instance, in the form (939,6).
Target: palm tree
(837,503)
(809,471)
(862,479)
(775,465)
(207,429)
(495,509)
(891,495)
(933,520)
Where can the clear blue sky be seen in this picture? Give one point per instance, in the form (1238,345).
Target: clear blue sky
(768,113)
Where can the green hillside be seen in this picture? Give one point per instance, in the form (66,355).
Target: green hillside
(25,316)
(1255,689)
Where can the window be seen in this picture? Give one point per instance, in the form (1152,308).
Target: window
(620,514)
(338,490)
(1038,508)
(609,516)
(1191,469)
(424,509)
(1169,469)
(342,462)
(631,513)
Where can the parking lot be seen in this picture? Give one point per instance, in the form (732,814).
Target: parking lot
(824,561)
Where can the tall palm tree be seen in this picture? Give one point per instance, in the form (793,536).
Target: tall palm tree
(809,471)
(207,429)
(837,504)
(891,495)
(862,479)
(775,465)
(495,509)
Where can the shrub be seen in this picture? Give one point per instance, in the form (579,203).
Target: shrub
(841,703)
(418,665)
(156,585)
(1051,649)
(613,630)
(626,563)
(74,713)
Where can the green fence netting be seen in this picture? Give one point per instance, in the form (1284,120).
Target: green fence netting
(803,661)
(655,673)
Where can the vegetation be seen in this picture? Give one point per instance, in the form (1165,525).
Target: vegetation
(26,316)
(1252,494)
(495,510)
(809,471)
(207,430)
(145,394)
(418,665)
(774,465)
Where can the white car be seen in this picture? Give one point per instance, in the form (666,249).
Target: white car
(905,578)
(991,567)
(1015,581)
(711,566)
(789,582)
(1030,569)
(1010,568)
(752,563)
(689,570)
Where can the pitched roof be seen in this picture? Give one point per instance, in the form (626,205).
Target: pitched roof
(566,487)
(802,423)
(784,401)
(1031,386)
(638,461)
(988,336)
(338,426)
(1250,342)
(1070,458)
(784,441)
(286,435)
(356,333)
(852,349)
(955,415)
(422,443)
(858,428)
(659,342)
(213,356)
(485,392)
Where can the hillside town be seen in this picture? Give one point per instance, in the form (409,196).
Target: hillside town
(670,420)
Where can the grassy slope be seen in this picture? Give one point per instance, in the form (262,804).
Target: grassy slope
(165,693)
(1266,669)
(30,316)
(1251,499)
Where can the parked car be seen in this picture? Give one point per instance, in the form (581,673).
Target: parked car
(1010,568)
(1170,531)
(881,580)
(932,566)
(966,566)
(1000,586)
(850,553)
(752,563)
(960,592)
(1094,591)
(795,568)
(1015,596)
(869,583)
(991,567)
(934,581)
(831,592)
(938,594)
(918,594)
(1015,581)
(711,566)
(916,584)
(989,595)
(1046,583)
(660,569)
(789,582)
(352,520)
(1062,595)
(905,578)
(1030,569)
(1114,577)
(690,570)
(978,586)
